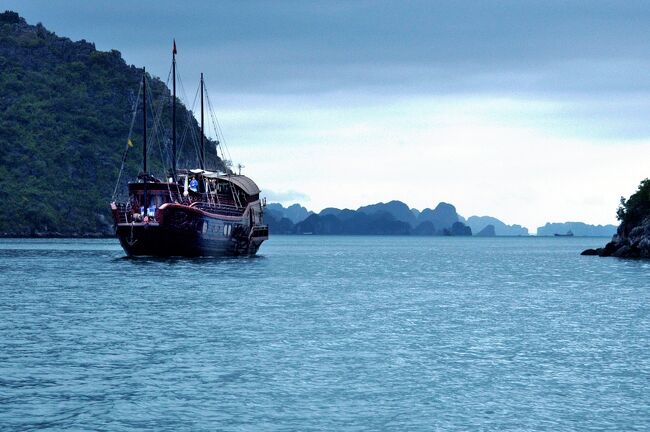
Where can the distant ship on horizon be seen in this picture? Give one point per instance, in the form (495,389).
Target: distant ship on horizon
(196,211)
(568,234)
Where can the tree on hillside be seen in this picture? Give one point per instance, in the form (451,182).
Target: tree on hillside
(632,211)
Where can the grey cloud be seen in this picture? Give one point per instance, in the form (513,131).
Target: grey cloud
(575,52)
(318,46)
(290,196)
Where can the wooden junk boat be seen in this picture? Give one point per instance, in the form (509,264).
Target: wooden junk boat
(195,212)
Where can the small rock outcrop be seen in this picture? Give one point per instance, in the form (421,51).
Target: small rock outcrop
(458,229)
(632,243)
(443,217)
(632,238)
(425,228)
(488,231)
(478,223)
(397,209)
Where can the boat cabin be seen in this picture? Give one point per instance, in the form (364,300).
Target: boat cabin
(206,190)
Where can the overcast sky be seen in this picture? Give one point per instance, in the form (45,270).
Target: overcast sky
(529,111)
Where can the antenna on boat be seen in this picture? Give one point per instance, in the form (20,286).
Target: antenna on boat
(202,132)
(174,112)
(144,136)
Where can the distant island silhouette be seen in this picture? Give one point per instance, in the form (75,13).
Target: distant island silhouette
(396,218)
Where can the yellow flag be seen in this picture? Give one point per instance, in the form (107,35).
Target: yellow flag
(130,143)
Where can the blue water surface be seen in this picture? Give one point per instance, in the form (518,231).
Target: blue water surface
(325,333)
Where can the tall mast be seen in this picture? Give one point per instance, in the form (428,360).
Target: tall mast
(144,121)
(202,131)
(144,137)
(174,112)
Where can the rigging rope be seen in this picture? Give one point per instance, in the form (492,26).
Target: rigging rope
(158,133)
(189,130)
(216,126)
(128,141)
(181,142)
(196,140)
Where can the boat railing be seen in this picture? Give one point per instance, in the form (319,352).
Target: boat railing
(123,211)
(259,231)
(229,210)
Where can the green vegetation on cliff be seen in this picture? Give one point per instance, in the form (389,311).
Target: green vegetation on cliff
(65,113)
(632,238)
(632,211)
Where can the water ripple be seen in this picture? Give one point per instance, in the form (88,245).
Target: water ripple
(318,333)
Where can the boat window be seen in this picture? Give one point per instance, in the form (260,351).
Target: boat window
(151,210)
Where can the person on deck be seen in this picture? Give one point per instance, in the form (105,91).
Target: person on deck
(194,185)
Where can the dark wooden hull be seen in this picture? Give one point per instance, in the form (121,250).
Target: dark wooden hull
(185,231)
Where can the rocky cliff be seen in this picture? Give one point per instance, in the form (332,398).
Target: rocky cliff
(632,238)
(65,113)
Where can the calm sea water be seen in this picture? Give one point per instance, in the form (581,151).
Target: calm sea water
(325,333)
